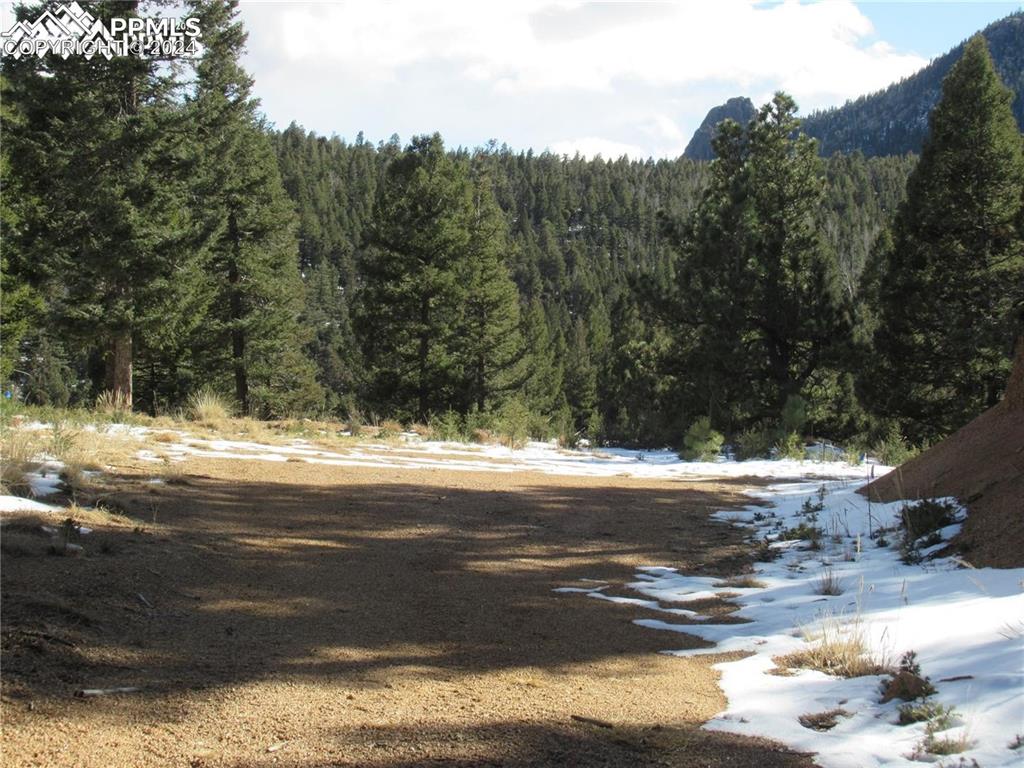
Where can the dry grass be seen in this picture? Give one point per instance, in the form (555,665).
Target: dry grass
(740,582)
(112,403)
(828,583)
(208,408)
(839,648)
(823,721)
(19,454)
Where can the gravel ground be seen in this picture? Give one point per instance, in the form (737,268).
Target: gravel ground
(300,615)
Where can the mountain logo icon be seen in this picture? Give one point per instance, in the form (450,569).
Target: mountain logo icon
(65,30)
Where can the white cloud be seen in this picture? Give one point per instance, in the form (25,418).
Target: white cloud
(633,59)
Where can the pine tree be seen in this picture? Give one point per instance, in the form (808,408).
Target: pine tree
(97,154)
(953,288)
(249,224)
(756,282)
(413,295)
(492,347)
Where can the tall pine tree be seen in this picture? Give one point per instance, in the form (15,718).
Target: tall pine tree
(952,290)
(252,331)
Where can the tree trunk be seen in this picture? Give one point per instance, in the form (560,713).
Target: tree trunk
(1014,397)
(424,354)
(118,373)
(237,331)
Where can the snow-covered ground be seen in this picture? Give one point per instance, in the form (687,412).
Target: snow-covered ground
(537,457)
(966,626)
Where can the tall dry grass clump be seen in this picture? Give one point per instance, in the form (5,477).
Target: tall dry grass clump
(20,453)
(111,403)
(838,648)
(208,408)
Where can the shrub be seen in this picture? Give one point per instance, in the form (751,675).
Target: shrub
(893,449)
(794,415)
(18,455)
(701,442)
(389,428)
(756,442)
(926,516)
(513,423)
(448,427)
(790,446)
(907,685)
(207,407)
(803,532)
(355,422)
(927,711)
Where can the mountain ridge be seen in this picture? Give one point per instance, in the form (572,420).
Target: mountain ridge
(894,120)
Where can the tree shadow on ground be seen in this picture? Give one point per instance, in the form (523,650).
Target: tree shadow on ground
(217,583)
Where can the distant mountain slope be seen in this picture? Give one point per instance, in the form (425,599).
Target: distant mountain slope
(893,121)
(740,109)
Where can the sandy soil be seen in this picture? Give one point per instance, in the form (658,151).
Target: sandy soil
(301,615)
(981,464)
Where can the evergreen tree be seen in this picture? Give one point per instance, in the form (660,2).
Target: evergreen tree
(953,288)
(756,282)
(413,295)
(103,229)
(492,347)
(249,224)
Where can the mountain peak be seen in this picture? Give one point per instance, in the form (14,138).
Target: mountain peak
(740,108)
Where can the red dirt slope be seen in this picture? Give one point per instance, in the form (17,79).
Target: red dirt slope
(982,464)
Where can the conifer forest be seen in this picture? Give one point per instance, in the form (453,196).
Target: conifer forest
(160,238)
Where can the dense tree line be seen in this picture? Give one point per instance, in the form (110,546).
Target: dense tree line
(160,238)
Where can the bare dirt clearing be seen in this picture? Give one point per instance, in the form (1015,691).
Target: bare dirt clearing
(303,615)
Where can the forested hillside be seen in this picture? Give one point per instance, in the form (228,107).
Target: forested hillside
(893,121)
(185,244)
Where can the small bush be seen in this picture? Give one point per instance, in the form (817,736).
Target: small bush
(940,745)
(701,442)
(803,532)
(355,422)
(513,423)
(907,684)
(790,446)
(756,442)
(18,456)
(893,450)
(927,711)
(425,431)
(389,428)
(207,407)
(794,415)
(448,427)
(927,516)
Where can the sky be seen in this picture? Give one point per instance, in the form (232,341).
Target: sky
(614,78)
(561,75)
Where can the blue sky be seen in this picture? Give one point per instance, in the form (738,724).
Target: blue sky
(614,78)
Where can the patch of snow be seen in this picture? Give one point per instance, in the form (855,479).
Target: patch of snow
(962,623)
(18,504)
